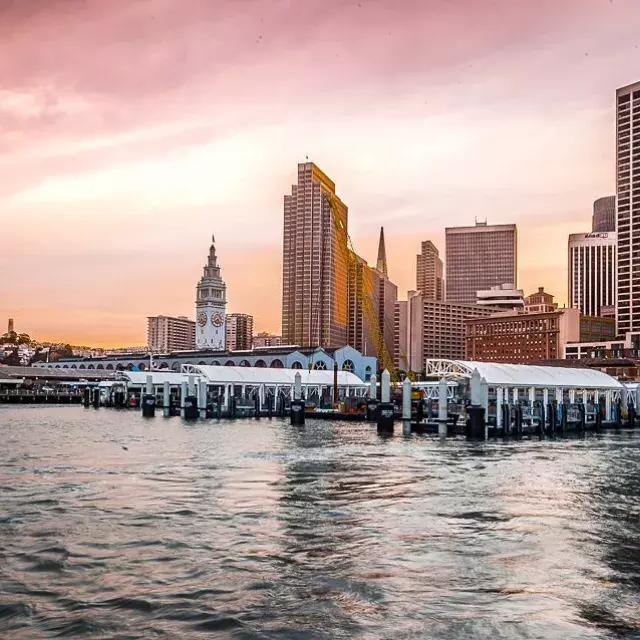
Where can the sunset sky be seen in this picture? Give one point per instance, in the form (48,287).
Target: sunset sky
(132,131)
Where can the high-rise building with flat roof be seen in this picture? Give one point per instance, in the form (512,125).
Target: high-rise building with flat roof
(628,208)
(604,214)
(429,271)
(170,333)
(314,262)
(592,271)
(478,258)
(239,331)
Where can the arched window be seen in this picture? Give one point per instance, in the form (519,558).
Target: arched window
(100,366)
(164,365)
(142,366)
(276,364)
(297,365)
(81,366)
(109,367)
(244,363)
(260,363)
(120,367)
(202,362)
(215,363)
(348,365)
(229,363)
(175,366)
(90,366)
(321,365)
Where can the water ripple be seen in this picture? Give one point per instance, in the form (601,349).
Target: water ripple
(262,530)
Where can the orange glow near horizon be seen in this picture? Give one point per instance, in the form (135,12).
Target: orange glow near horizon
(142,128)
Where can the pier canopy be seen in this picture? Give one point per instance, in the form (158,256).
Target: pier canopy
(261,375)
(497,374)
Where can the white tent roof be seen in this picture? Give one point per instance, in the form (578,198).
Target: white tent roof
(264,375)
(159,377)
(524,375)
(245,375)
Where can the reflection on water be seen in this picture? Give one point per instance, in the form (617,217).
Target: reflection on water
(115,526)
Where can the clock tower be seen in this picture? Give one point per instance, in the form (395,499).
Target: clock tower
(211,302)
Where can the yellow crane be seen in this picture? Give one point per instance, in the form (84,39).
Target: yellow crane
(363,296)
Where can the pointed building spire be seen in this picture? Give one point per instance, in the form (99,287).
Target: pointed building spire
(381,264)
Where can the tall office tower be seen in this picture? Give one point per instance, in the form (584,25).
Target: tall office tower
(401,334)
(239,331)
(10,328)
(314,262)
(211,302)
(479,258)
(604,214)
(169,333)
(363,291)
(592,271)
(429,272)
(628,208)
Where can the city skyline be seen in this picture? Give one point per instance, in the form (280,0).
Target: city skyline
(108,178)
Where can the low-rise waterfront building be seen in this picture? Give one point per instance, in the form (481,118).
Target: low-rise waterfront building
(285,357)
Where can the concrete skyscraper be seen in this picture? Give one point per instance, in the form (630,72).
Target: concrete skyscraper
(211,303)
(478,258)
(314,262)
(628,208)
(429,272)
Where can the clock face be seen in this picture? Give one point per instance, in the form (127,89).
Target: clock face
(217,320)
(202,318)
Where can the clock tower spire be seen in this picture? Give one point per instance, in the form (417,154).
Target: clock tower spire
(211,303)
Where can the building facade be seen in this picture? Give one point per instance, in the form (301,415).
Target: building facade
(478,258)
(604,214)
(266,339)
(211,304)
(592,271)
(435,329)
(521,337)
(314,262)
(539,332)
(505,296)
(239,331)
(628,208)
(168,333)
(430,272)
(287,357)
(400,335)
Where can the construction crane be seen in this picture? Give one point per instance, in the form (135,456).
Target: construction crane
(363,296)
